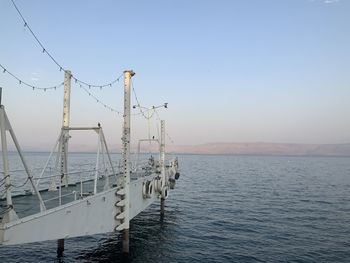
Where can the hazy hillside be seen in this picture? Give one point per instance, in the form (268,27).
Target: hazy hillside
(231,148)
(265,148)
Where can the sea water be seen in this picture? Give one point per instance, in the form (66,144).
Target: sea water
(227,208)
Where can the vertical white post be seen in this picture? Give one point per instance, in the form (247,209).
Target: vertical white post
(126,157)
(65,125)
(66,98)
(64,145)
(47,162)
(162,163)
(105,170)
(81,185)
(10,214)
(107,152)
(149,130)
(97,161)
(60,193)
(162,148)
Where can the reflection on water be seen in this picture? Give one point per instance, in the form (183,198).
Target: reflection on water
(149,234)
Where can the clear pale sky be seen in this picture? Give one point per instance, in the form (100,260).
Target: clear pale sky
(231,71)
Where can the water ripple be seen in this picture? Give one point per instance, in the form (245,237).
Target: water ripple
(230,209)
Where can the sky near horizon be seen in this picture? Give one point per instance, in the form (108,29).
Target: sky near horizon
(231,71)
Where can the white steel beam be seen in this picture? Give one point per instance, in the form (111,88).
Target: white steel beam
(10,212)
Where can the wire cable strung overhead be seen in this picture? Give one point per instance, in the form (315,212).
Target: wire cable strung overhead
(44,50)
(96,86)
(147,113)
(4,70)
(99,101)
(151,112)
(158,118)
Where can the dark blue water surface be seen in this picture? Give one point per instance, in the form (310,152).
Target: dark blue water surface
(230,209)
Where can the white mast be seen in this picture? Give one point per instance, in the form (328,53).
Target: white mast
(126,158)
(162,162)
(64,144)
(65,125)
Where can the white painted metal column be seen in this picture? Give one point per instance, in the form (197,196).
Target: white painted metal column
(97,167)
(66,98)
(65,133)
(162,164)
(64,145)
(162,149)
(126,158)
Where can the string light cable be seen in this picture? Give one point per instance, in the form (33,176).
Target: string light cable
(99,100)
(45,51)
(20,81)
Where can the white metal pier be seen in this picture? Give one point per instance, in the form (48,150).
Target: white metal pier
(106,202)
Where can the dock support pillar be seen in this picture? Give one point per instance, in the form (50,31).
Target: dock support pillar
(60,247)
(125,241)
(162,204)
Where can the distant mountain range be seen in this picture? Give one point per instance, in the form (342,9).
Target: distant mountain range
(265,149)
(259,148)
